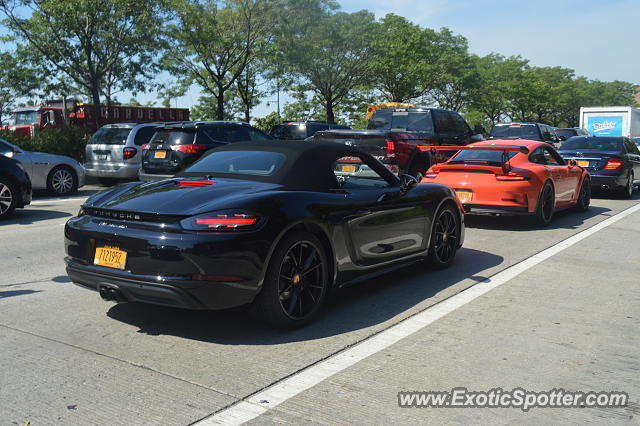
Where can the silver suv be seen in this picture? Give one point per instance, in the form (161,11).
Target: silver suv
(114,151)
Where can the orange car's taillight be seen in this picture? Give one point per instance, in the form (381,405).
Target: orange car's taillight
(431,175)
(511,178)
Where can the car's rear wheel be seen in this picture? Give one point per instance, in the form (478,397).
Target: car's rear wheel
(445,236)
(546,206)
(584,198)
(8,198)
(627,190)
(296,283)
(62,180)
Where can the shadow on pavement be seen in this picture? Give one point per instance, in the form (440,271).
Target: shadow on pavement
(357,307)
(564,219)
(30,216)
(12,293)
(61,279)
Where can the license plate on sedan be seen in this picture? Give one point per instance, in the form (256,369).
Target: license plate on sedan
(111,257)
(349,169)
(582,163)
(464,195)
(160,154)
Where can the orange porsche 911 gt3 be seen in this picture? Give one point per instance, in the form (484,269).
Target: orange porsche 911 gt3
(512,177)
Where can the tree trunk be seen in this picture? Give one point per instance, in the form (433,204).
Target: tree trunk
(220,99)
(247,114)
(97,111)
(329,109)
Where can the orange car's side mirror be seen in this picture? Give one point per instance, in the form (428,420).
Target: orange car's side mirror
(572,162)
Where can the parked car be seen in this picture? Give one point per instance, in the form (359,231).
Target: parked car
(612,161)
(58,174)
(394,135)
(565,133)
(525,130)
(514,177)
(115,150)
(270,224)
(15,186)
(175,147)
(300,130)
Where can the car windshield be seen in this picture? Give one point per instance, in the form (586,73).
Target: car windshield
(290,131)
(592,144)
(110,136)
(522,131)
(566,133)
(257,163)
(173,137)
(415,121)
(481,156)
(22,118)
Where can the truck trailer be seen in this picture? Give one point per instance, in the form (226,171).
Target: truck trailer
(611,121)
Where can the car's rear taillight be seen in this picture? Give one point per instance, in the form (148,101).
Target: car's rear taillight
(128,152)
(194,183)
(391,149)
(431,175)
(511,178)
(613,164)
(221,221)
(190,149)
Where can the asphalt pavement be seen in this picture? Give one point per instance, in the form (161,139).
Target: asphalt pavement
(569,321)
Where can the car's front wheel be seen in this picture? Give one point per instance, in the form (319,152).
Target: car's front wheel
(445,236)
(296,283)
(8,199)
(62,180)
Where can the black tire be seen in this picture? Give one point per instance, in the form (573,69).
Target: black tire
(8,198)
(296,284)
(626,191)
(546,206)
(584,198)
(62,180)
(445,236)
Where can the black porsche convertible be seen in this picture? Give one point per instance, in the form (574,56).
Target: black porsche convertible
(276,225)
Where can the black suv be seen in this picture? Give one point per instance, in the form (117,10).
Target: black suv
(173,148)
(525,130)
(299,130)
(565,133)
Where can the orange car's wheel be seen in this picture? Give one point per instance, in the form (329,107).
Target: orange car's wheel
(584,199)
(546,205)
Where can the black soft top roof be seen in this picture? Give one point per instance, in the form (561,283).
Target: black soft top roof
(307,166)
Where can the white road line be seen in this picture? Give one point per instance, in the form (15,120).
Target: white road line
(57,200)
(276,394)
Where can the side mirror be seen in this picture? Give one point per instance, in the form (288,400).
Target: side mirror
(562,138)
(572,162)
(408,181)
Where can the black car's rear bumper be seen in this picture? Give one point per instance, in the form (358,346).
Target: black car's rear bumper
(608,182)
(193,270)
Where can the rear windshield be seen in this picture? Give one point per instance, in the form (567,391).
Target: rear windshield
(110,136)
(592,143)
(522,131)
(173,137)
(257,163)
(387,119)
(289,131)
(488,157)
(566,133)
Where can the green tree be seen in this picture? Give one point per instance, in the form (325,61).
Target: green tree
(267,122)
(16,81)
(95,43)
(215,41)
(333,56)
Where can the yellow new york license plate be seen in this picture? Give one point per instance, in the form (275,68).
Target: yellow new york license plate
(111,257)
(464,195)
(160,154)
(349,169)
(582,163)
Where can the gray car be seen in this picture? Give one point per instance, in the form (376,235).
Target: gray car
(59,174)
(114,151)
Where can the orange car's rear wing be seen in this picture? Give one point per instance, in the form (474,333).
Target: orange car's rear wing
(429,148)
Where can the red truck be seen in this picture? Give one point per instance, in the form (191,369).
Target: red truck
(397,134)
(31,119)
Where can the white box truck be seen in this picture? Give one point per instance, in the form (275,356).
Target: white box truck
(611,121)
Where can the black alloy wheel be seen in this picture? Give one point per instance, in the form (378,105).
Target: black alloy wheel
(546,206)
(444,237)
(7,198)
(296,283)
(584,199)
